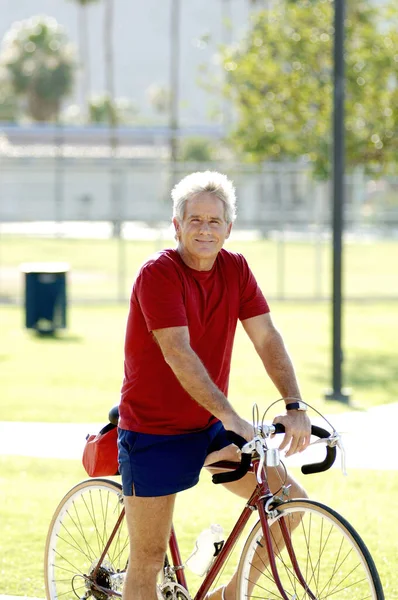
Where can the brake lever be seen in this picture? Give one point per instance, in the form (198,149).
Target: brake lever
(256,444)
(340,446)
(335,439)
(261,453)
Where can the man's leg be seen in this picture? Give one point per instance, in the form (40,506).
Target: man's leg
(149,521)
(244,488)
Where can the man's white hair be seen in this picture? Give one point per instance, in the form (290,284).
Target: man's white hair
(211,182)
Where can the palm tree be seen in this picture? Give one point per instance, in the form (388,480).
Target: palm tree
(85,72)
(40,65)
(175,17)
(109,67)
(112,123)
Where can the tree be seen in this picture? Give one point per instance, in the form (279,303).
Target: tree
(100,106)
(159,98)
(40,65)
(9,110)
(196,149)
(84,48)
(280,81)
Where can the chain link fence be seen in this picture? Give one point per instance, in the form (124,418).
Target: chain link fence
(105,214)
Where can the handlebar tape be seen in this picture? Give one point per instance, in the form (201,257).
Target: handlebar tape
(279,428)
(244,466)
(330,457)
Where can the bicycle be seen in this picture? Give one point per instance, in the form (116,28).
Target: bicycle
(298,549)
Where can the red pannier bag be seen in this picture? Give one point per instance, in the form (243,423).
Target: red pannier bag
(100,452)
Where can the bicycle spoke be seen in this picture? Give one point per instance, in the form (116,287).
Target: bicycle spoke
(65,593)
(76,545)
(80,530)
(59,568)
(68,562)
(318,556)
(280,559)
(104,512)
(79,525)
(121,552)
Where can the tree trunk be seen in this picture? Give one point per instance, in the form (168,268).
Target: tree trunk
(110,90)
(42,109)
(85,72)
(109,70)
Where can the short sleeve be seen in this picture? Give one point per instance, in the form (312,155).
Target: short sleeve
(159,292)
(252,300)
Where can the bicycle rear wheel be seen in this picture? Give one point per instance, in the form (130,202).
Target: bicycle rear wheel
(332,559)
(79,530)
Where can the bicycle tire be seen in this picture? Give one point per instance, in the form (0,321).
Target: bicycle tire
(333,559)
(79,529)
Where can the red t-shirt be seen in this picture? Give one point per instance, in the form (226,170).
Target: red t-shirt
(168,293)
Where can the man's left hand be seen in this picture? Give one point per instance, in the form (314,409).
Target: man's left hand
(297,431)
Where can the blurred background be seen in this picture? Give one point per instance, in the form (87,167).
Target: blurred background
(105,104)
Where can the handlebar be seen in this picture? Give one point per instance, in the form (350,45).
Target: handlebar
(244,466)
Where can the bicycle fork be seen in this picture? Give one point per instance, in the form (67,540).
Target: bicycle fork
(264,518)
(289,546)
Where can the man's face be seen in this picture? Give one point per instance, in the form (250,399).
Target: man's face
(203,231)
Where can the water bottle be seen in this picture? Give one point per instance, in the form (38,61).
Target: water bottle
(207,546)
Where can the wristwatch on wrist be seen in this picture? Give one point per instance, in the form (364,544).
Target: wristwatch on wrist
(296,406)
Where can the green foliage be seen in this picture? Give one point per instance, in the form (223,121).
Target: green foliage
(159,98)
(102,109)
(280,79)
(40,65)
(196,150)
(9,109)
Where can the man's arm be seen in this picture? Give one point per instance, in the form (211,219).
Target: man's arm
(270,347)
(191,373)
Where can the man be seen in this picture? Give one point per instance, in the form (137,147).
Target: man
(174,410)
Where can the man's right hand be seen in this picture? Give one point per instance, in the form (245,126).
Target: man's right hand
(240,426)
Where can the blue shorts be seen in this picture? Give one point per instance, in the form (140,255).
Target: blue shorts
(159,465)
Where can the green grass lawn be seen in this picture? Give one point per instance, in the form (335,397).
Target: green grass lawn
(30,490)
(288,269)
(76,376)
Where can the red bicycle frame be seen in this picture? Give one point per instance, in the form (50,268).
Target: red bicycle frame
(256,502)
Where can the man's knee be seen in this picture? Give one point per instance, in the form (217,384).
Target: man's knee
(147,563)
(296,489)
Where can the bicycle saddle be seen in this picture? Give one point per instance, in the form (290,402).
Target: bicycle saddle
(113,415)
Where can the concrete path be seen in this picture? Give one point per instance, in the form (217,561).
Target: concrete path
(369,438)
(45,440)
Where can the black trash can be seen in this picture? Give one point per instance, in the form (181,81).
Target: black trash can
(45,296)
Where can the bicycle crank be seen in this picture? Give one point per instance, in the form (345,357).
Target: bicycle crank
(169,590)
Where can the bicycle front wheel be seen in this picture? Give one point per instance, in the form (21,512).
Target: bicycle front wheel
(323,558)
(79,530)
